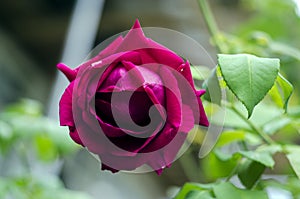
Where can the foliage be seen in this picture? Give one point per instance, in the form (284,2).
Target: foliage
(31,148)
(261,127)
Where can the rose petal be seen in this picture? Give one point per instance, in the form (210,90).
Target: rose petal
(139,105)
(157,99)
(108,51)
(160,54)
(165,138)
(87,81)
(90,133)
(68,72)
(105,167)
(203,118)
(185,70)
(65,107)
(134,39)
(116,70)
(114,163)
(173,96)
(75,137)
(157,163)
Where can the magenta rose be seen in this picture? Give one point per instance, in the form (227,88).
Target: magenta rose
(133,104)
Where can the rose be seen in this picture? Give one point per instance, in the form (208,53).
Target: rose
(132,104)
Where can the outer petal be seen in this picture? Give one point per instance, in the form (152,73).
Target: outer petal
(68,72)
(151,51)
(135,39)
(173,97)
(203,118)
(108,51)
(115,163)
(186,72)
(155,53)
(87,79)
(65,107)
(75,137)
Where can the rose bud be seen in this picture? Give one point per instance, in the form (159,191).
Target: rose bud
(133,104)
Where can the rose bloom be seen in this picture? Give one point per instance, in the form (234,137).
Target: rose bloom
(133,104)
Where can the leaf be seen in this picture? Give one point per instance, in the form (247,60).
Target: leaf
(293,157)
(281,91)
(45,148)
(190,187)
(249,172)
(284,49)
(225,191)
(264,158)
(218,165)
(294,112)
(253,139)
(228,191)
(223,156)
(275,125)
(230,136)
(59,137)
(199,194)
(25,107)
(271,149)
(248,77)
(213,90)
(295,162)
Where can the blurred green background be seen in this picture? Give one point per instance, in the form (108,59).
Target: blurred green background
(38,159)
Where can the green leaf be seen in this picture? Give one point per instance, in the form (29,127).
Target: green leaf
(249,172)
(294,112)
(295,162)
(281,91)
(199,194)
(263,157)
(25,107)
(271,149)
(284,49)
(225,191)
(248,77)
(228,191)
(293,157)
(218,165)
(228,137)
(46,150)
(190,187)
(60,137)
(213,90)
(223,156)
(274,126)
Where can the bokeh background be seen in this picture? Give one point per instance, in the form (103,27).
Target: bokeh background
(37,157)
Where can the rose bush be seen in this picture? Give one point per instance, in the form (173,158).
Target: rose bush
(132,104)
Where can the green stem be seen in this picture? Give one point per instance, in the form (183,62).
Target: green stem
(263,135)
(211,23)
